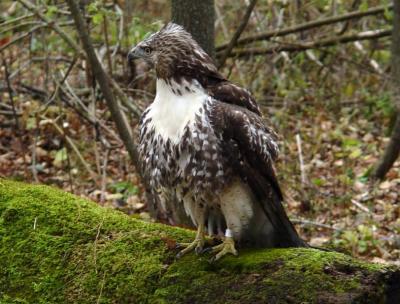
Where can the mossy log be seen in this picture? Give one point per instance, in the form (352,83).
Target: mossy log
(58,248)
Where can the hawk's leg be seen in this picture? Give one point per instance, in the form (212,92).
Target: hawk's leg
(227,246)
(198,243)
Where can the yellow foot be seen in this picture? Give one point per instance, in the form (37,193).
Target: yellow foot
(197,245)
(227,246)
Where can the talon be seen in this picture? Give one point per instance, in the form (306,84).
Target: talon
(206,250)
(196,245)
(181,245)
(199,249)
(228,246)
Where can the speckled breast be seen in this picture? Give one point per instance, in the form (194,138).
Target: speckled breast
(196,163)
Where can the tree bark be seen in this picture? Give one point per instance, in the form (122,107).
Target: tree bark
(58,248)
(197,17)
(392,151)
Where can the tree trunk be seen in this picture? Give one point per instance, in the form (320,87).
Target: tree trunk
(197,17)
(393,149)
(58,248)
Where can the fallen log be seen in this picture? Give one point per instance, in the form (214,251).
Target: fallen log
(58,248)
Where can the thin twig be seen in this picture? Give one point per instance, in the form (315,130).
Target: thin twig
(360,206)
(373,63)
(11,95)
(95,243)
(85,115)
(307,222)
(302,167)
(17,126)
(101,288)
(11,21)
(108,53)
(120,31)
(15,40)
(10,113)
(33,165)
(17,26)
(92,174)
(104,177)
(237,34)
(58,84)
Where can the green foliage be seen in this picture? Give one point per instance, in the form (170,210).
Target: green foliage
(126,188)
(51,10)
(360,240)
(381,104)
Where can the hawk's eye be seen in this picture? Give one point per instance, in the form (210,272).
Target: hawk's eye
(147,50)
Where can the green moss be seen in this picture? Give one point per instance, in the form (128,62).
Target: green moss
(56,247)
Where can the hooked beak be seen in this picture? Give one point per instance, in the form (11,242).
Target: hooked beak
(135,53)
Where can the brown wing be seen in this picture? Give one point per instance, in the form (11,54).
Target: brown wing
(228,92)
(251,149)
(204,70)
(248,139)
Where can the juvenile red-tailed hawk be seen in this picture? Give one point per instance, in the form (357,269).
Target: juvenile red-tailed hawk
(204,139)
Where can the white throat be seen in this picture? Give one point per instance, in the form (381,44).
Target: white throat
(174,107)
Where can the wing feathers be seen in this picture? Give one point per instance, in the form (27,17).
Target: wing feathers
(251,148)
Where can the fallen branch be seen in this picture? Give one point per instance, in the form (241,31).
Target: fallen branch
(308,25)
(311,223)
(296,47)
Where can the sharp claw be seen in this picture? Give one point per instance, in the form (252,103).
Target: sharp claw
(228,246)
(198,250)
(206,250)
(196,245)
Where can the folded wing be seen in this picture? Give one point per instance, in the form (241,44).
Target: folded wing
(251,148)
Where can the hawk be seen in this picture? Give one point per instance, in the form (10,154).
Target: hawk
(204,139)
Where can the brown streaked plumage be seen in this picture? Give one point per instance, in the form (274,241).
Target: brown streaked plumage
(204,139)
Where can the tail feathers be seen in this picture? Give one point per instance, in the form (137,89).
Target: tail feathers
(270,227)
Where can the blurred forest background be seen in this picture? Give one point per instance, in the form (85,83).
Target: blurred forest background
(320,69)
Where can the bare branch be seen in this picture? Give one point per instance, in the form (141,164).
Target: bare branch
(296,47)
(308,25)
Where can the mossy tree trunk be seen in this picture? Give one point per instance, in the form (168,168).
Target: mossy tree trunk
(58,248)
(197,17)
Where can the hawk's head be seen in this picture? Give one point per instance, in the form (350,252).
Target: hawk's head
(170,49)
